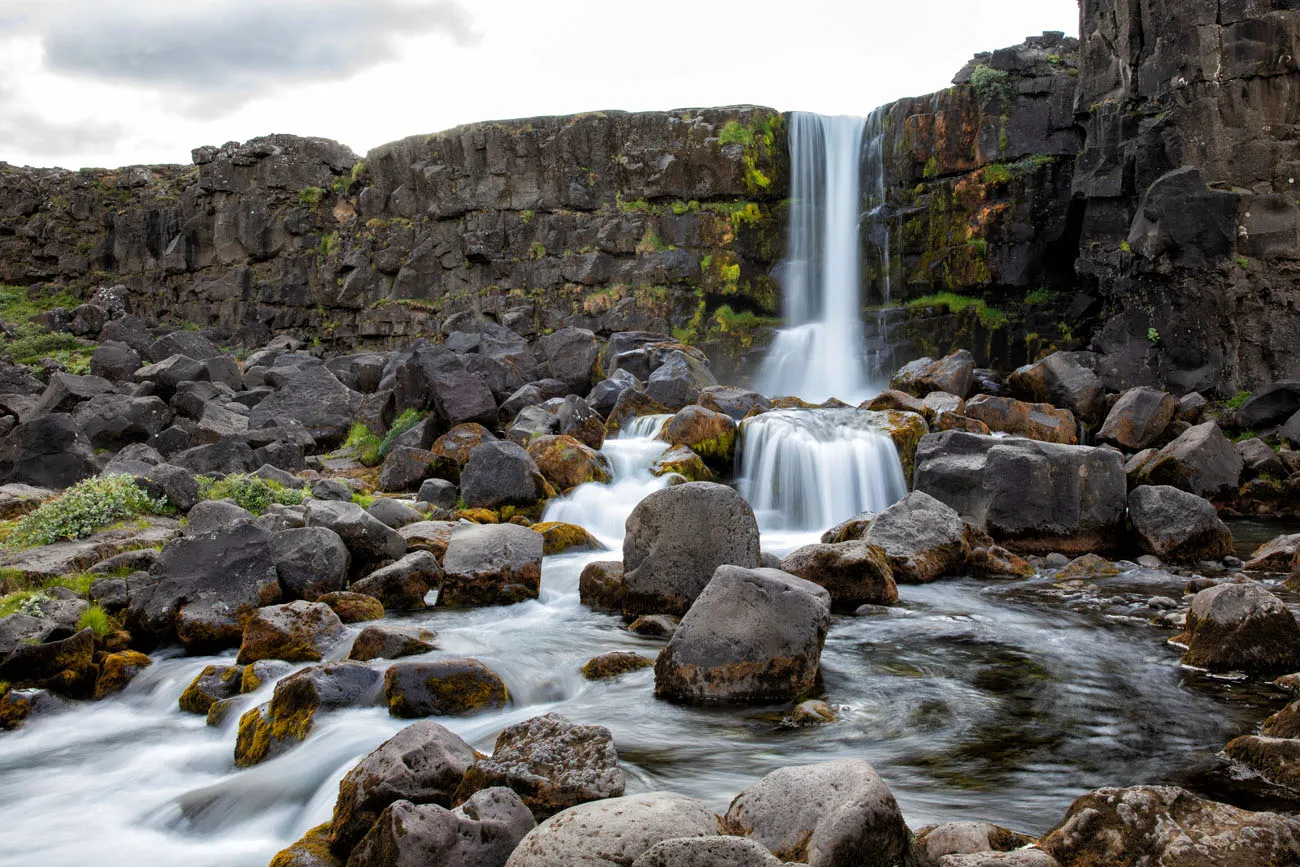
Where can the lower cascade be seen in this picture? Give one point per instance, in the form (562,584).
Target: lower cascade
(805,470)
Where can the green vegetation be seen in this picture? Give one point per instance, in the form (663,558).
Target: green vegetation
(526,217)
(931,168)
(1124,247)
(979,247)
(97,620)
(1041,295)
(636,206)
(83,509)
(1004,173)
(537,250)
(363,500)
(328,243)
(1243,263)
(990,317)
(403,423)
(757,139)
(249,492)
(365,442)
(310,196)
(1238,400)
(1153,335)
(991,84)
(34,342)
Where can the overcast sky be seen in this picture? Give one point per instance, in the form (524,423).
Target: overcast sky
(116,82)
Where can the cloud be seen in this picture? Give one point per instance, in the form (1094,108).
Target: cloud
(25,131)
(221,53)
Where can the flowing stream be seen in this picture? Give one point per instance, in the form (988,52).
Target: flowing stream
(994,701)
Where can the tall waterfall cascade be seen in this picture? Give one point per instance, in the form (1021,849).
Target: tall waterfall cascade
(821,352)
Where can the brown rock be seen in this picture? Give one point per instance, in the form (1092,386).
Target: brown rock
(1037,421)
(354,607)
(448,687)
(567,463)
(615,664)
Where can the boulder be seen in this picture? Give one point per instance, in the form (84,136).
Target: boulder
(954,374)
(897,400)
(295,632)
(676,538)
(567,463)
(1241,627)
(404,469)
(310,562)
(1201,461)
(423,763)
(615,664)
(1259,460)
(1176,526)
(451,451)
(605,393)
(735,402)
(447,687)
(392,642)
(1278,555)
(402,586)
(752,635)
(66,392)
(1036,421)
(437,379)
(1148,825)
(111,421)
(64,666)
(220,458)
(395,513)
(1032,497)
(681,461)
(854,573)
(679,380)
(311,850)
(631,405)
(208,516)
(921,537)
(353,607)
(313,397)
(214,683)
(1018,858)
(551,763)
(1271,405)
(268,730)
(711,435)
(1275,758)
(491,564)
(613,832)
(368,540)
(501,474)
(707,852)
(571,357)
(203,588)
(970,838)
(1138,418)
(169,373)
(835,814)
(431,536)
(482,832)
(1061,379)
(600,586)
(49,452)
(439,493)
(117,670)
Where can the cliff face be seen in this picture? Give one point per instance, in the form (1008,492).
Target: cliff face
(607,220)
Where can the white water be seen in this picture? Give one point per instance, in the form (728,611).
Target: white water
(821,353)
(804,471)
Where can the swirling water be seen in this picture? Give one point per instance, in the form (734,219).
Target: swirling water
(995,701)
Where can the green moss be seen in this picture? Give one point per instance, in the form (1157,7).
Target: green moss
(1041,295)
(526,217)
(328,243)
(310,195)
(403,423)
(250,492)
(990,317)
(931,168)
(537,251)
(1238,400)
(365,442)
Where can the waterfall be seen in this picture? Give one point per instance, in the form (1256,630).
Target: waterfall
(821,352)
(806,470)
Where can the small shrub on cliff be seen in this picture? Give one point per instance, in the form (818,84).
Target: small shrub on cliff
(249,492)
(310,195)
(83,509)
(991,84)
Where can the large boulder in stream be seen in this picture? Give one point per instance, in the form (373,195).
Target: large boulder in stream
(295,632)
(752,635)
(491,564)
(1241,627)
(854,573)
(1033,497)
(482,832)
(501,474)
(676,538)
(1166,825)
(270,729)
(836,814)
(921,538)
(1201,461)
(1176,526)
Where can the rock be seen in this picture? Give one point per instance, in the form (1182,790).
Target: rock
(679,380)
(832,814)
(812,712)
(631,405)
(431,536)
(854,573)
(615,664)
(676,538)
(310,562)
(261,672)
(921,537)
(491,565)
(480,833)
(111,421)
(752,635)
(654,625)
(558,537)
(1176,526)
(1279,555)
(49,452)
(447,687)
(439,493)
(995,561)
(681,461)
(404,469)
(294,632)
(402,586)
(551,763)
(1200,460)
(177,484)
(707,852)
(368,540)
(1061,380)
(615,831)
(969,838)
(392,642)
(203,588)
(117,670)
(311,850)
(1018,858)
(1241,627)
(1036,421)
(217,459)
(210,516)
(1138,418)
(353,607)
(437,379)
(571,356)
(567,463)
(1260,460)
(211,685)
(600,586)
(954,374)
(711,435)
(735,402)
(501,474)
(423,763)
(897,400)
(268,730)
(1276,758)
(314,398)
(1086,568)
(331,490)
(1031,497)
(1271,405)
(1168,825)
(66,392)
(64,666)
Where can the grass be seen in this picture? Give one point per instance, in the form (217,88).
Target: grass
(1238,400)
(990,317)
(25,599)
(1042,295)
(82,509)
(310,195)
(249,492)
(365,442)
(34,342)
(990,84)
(403,423)
(97,620)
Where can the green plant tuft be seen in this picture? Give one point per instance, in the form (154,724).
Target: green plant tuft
(310,195)
(1238,400)
(97,620)
(991,84)
(1153,335)
(249,492)
(990,317)
(83,509)
(365,442)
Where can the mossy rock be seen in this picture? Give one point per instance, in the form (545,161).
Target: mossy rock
(610,665)
(478,516)
(906,430)
(311,851)
(683,462)
(116,670)
(448,687)
(711,435)
(212,684)
(354,607)
(566,463)
(558,537)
